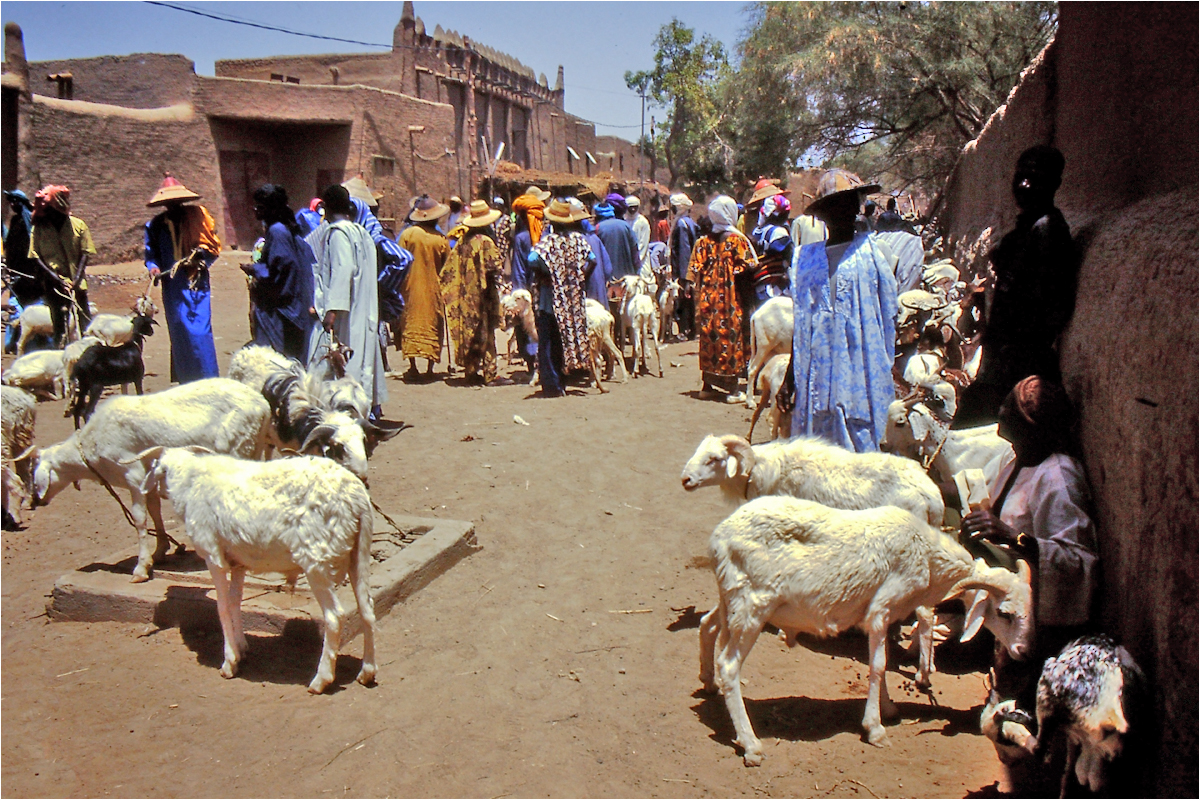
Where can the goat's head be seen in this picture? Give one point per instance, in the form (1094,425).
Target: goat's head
(339,437)
(144,307)
(1002,601)
(716,460)
(900,437)
(48,478)
(1009,728)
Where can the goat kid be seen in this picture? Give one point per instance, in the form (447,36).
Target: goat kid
(600,342)
(770,334)
(638,314)
(100,366)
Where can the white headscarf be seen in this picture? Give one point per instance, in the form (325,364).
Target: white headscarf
(723,212)
(680,200)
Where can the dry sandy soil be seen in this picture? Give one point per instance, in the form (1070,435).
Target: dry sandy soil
(508,676)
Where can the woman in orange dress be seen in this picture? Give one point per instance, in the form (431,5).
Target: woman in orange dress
(716,259)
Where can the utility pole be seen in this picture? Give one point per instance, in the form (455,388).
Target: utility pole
(642,141)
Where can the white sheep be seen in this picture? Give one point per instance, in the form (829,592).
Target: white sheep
(34,321)
(770,379)
(600,341)
(18,416)
(297,515)
(806,568)
(815,470)
(770,334)
(217,413)
(40,372)
(913,432)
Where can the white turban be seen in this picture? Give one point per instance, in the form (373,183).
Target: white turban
(680,200)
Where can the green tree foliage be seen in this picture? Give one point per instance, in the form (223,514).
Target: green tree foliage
(890,89)
(685,81)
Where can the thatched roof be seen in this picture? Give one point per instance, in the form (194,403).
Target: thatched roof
(511,179)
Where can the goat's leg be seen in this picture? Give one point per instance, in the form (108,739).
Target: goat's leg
(220,583)
(924,637)
(615,354)
(877,690)
(593,359)
(154,507)
(710,625)
(145,562)
(763,402)
(729,672)
(237,582)
(657,352)
(1069,767)
(331,609)
(366,610)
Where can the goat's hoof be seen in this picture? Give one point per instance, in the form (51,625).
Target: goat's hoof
(139,577)
(228,669)
(878,737)
(708,686)
(753,758)
(318,685)
(366,676)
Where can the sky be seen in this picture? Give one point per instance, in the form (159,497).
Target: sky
(596,42)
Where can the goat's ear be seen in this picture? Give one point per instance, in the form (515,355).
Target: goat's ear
(922,425)
(975,615)
(731,467)
(376,434)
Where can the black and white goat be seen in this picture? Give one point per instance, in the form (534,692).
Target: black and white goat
(100,366)
(302,422)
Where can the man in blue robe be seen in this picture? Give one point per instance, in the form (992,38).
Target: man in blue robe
(844,338)
(184,235)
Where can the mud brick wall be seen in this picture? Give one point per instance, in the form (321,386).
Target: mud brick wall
(141,80)
(1115,92)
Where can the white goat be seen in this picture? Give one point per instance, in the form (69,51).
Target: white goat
(70,357)
(298,515)
(638,313)
(815,470)
(40,372)
(770,334)
(518,310)
(18,415)
(913,432)
(668,297)
(600,342)
(806,568)
(34,321)
(113,329)
(770,379)
(216,413)
(253,364)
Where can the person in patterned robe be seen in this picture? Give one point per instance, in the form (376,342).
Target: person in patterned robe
(560,264)
(716,260)
(472,303)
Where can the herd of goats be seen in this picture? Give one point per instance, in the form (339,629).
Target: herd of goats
(823,540)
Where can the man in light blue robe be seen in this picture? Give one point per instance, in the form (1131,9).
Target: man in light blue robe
(844,338)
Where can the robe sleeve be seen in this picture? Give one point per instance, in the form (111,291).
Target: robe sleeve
(340,272)
(1067,562)
(148,242)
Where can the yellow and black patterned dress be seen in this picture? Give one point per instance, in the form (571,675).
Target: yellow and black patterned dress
(567,256)
(472,306)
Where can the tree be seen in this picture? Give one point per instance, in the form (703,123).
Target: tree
(895,89)
(684,81)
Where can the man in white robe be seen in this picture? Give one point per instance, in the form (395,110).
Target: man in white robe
(346,297)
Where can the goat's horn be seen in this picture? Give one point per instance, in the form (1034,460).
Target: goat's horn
(317,433)
(153,452)
(28,452)
(740,448)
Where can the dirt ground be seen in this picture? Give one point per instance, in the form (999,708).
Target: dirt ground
(509,676)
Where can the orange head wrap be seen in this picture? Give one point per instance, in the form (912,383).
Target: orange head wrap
(534,210)
(52,196)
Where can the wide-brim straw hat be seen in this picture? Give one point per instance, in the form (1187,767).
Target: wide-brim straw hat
(171,191)
(481,215)
(838,182)
(427,209)
(540,194)
(357,187)
(560,212)
(766,188)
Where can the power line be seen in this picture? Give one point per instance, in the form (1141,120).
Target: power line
(263,26)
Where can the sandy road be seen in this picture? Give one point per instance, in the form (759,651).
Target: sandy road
(508,676)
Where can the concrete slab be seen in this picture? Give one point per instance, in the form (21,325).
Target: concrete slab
(181,592)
